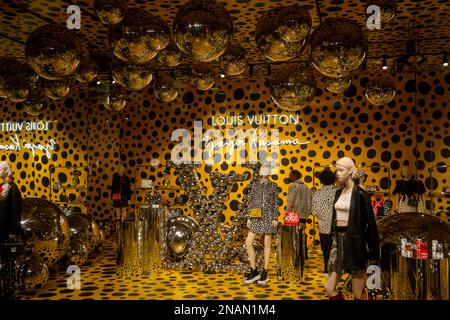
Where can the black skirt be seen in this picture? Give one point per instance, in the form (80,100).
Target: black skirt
(336,259)
(120,204)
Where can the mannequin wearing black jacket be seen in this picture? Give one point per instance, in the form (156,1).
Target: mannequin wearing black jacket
(355,239)
(121,184)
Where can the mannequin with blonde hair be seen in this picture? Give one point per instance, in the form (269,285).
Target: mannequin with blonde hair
(10,204)
(355,239)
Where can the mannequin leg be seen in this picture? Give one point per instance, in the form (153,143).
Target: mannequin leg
(358,283)
(118,214)
(123,212)
(331,284)
(250,250)
(267,245)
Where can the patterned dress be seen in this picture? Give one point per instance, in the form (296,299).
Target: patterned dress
(264,195)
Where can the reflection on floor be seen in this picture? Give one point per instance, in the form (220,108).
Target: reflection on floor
(100,282)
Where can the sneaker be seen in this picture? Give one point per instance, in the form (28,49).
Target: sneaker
(264,278)
(252,277)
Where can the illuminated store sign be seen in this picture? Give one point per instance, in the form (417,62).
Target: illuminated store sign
(16,144)
(234,145)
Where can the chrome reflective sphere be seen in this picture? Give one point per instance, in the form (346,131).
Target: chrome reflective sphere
(105,227)
(388,9)
(87,71)
(202,76)
(110,11)
(338,47)
(139,37)
(16,88)
(33,273)
(53,52)
(294,23)
(270,42)
(338,85)
(45,229)
(178,238)
(77,252)
(292,88)
(57,89)
(131,77)
(202,29)
(16,79)
(179,235)
(164,89)
(170,56)
(115,99)
(82,229)
(34,104)
(234,61)
(380,91)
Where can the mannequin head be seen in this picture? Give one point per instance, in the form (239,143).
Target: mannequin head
(345,171)
(327,177)
(121,170)
(406,173)
(265,171)
(5,169)
(294,175)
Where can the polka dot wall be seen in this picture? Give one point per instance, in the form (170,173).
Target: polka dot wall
(334,125)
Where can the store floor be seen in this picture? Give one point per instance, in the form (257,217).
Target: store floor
(99,281)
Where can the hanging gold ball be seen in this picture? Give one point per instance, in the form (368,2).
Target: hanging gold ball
(202,29)
(202,76)
(131,76)
(292,88)
(57,89)
(338,47)
(115,99)
(34,104)
(16,79)
(380,91)
(294,23)
(53,52)
(87,71)
(338,85)
(164,89)
(139,37)
(170,56)
(270,41)
(234,61)
(110,11)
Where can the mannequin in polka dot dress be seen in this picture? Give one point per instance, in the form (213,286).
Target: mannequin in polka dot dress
(263,219)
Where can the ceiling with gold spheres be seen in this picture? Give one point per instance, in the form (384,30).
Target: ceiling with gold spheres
(423,21)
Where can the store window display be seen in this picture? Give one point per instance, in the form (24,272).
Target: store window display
(263,219)
(409,193)
(354,230)
(120,192)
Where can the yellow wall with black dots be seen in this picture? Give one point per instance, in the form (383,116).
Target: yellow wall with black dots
(335,125)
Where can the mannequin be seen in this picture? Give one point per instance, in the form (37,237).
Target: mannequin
(10,204)
(299,200)
(121,185)
(354,231)
(263,219)
(409,193)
